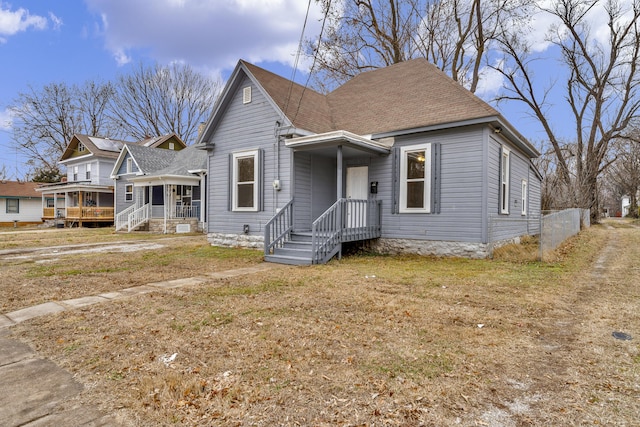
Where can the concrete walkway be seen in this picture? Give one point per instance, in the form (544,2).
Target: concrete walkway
(33,390)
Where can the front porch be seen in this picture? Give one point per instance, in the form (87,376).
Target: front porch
(81,205)
(347,220)
(165,208)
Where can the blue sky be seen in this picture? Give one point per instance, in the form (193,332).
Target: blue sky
(73,41)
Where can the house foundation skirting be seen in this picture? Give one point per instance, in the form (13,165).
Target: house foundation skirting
(437,248)
(156,225)
(236,240)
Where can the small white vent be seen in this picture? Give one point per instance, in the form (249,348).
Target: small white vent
(183,228)
(246,95)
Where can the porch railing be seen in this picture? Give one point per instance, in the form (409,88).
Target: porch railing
(89,212)
(347,220)
(278,230)
(187,212)
(122,218)
(139,217)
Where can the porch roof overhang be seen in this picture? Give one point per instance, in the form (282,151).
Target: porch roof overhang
(73,187)
(335,138)
(146,180)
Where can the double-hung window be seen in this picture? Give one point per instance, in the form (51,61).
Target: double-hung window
(245,181)
(128,193)
(415,179)
(75,173)
(129,165)
(504,181)
(87,173)
(13,206)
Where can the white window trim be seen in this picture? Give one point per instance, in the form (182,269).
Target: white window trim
(75,173)
(525,200)
(129,165)
(87,172)
(504,180)
(256,180)
(17,206)
(128,195)
(81,147)
(427,178)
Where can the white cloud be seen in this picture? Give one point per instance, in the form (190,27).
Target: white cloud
(203,33)
(490,82)
(13,22)
(6,119)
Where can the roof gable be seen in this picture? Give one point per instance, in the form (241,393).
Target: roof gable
(98,147)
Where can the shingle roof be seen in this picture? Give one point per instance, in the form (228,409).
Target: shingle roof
(189,159)
(159,162)
(19,189)
(407,95)
(103,147)
(151,159)
(312,114)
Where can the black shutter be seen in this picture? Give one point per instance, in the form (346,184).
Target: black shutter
(260,180)
(230,185)
(395,181)
(500,180)
(435,178)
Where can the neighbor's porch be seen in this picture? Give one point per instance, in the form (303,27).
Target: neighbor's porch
(166,206)
(81,205)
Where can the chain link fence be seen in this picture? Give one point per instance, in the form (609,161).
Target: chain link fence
(558,226)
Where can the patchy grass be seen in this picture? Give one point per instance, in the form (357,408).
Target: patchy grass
(368,340)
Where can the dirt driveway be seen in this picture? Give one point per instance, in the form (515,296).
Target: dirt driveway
(369,340)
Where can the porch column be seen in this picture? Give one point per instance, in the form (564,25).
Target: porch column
(165,188)
(339,178)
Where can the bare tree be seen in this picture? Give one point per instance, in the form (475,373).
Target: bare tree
(455,35)
(601,88)
(47,118)
(624,172)
(156,100)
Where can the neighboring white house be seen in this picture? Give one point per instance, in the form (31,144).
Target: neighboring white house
(20,203)
(626,205)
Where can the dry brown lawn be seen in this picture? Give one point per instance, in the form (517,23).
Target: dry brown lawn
(368,340)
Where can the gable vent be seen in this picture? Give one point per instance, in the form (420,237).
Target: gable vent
(246,95)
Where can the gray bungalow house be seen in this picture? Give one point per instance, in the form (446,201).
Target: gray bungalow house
(160,190)
(402,157)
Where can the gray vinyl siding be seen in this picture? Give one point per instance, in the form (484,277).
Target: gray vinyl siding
(514,224)
(534,201)
(121,182)
(302,179)
(461,175)
(120,203)
(122,170)
(246,127)
(323,184)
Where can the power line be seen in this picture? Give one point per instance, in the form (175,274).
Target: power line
(315,57)
(297,58)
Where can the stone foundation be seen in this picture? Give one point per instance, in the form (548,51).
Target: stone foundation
(437,248)
(236,240)
(157,225)
(382,246)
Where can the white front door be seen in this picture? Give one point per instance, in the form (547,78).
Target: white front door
(357,189)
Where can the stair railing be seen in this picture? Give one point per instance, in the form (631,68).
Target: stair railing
(122,218)
(326,233)
(278,230)
(139,217)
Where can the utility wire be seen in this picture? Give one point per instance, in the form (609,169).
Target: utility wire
(315,58)
(297,58)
